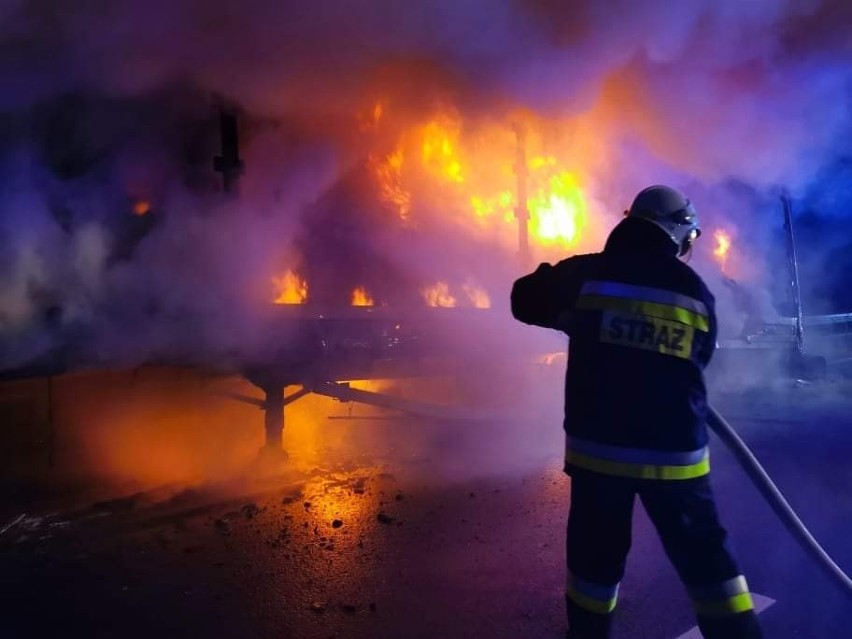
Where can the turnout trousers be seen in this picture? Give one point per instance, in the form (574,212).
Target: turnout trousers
(684,515)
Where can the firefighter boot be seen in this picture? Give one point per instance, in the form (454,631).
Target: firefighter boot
(583,624)
(742,625)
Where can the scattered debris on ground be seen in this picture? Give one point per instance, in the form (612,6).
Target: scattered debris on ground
(249,511)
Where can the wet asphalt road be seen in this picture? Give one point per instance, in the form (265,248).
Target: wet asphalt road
(382,549)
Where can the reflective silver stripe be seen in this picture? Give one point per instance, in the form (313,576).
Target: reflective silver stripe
(725,598)
(635,455)
(595,591)
(645,293)
(730,588)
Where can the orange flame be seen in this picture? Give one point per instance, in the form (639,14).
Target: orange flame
(439,150)
(557,206)
(439,295)
(477,296)
(360,297)
(141,207)
(723,247)
(433,164)
(290,289)
(388,172)
(486,206)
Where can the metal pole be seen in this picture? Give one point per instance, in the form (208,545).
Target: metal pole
(274,417)
(229,163)
(51,434)
(521,211)
(795,291)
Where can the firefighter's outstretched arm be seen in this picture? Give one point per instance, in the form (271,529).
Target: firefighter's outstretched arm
(542,297)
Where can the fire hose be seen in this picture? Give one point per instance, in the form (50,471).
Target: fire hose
(776,500)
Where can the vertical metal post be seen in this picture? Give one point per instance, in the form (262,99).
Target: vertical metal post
(795,291)
(229,163)
(274,418)
(51,426)
(521,211)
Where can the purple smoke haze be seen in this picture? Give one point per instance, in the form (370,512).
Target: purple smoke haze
(104,102)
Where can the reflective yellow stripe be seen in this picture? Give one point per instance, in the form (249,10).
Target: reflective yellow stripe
(638,307)
(730,606)
(637,471)
(591,604)
(647,333)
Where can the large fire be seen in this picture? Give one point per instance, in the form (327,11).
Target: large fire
(506,184)
(290,289)
(474,178)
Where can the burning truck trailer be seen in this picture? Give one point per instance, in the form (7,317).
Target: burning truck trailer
(339,310)
(342,311)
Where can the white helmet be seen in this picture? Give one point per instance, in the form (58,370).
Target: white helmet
(670,210)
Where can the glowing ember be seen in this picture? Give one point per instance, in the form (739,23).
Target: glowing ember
(723,247)
(360,297)
(552,358)
(439,295)
(291,289)
(141,207)
(477,296)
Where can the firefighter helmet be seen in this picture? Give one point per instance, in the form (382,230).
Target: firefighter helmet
(670,210)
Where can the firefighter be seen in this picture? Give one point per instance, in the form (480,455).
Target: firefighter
(642,328)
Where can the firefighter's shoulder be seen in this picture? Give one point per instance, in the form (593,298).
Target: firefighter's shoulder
(577,264)
(690,282)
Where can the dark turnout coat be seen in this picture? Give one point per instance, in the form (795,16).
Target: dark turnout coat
(642,327)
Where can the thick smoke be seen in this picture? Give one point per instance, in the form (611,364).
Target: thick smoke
(756,90)
(107,103)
